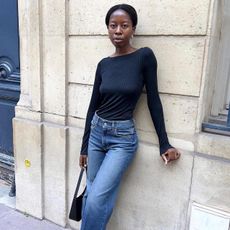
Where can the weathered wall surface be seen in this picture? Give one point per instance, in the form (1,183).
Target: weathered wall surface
(61,43)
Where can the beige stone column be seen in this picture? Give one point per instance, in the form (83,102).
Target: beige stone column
(40,136)
(54,106)
(27,126)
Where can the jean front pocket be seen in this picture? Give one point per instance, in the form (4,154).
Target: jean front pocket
(127,133)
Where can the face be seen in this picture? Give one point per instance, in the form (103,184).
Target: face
(120,28)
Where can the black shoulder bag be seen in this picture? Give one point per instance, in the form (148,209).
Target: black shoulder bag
(76,207)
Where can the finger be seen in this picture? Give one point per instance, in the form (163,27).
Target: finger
(80,162)
(168,156)
(165,159)
(174,156)
(85,162)
(177,155)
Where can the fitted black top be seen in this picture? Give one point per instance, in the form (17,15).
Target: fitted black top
(117,87)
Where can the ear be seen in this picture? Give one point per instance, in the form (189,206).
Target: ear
(134,29)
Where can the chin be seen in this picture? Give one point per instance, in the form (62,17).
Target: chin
(118,45)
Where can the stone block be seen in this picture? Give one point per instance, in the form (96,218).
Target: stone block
(28,13)
(211,183)
(79,98)
(54,186)
(29,38)
(84,54)
(26,114)
(215,145)
(152,195)
(182,143)
(179,114)
(54,118)
(155,17)
(54,19)
(28,167)
(54,55)
(54,74)
(179,60)
(76,122)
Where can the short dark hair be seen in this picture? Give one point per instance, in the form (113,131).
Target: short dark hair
(127,8)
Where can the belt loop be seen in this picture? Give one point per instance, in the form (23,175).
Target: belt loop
(96,118)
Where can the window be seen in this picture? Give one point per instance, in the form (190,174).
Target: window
(206,218)
(219,119)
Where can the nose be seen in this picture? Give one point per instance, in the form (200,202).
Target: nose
(118,30)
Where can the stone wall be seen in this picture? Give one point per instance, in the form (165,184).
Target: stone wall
(61,43)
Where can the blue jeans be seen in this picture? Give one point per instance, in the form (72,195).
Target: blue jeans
(112,146)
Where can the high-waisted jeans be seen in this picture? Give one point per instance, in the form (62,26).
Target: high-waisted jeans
(112,147)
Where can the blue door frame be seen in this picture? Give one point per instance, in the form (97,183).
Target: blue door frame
(9,74)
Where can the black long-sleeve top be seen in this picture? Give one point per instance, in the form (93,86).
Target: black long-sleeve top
(118,84)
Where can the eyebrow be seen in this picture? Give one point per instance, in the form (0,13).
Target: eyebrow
(125,21)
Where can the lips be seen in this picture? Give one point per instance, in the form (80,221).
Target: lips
(118,39)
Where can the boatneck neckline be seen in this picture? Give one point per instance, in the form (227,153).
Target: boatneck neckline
(125,55)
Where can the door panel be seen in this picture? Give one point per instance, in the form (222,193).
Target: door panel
(6,145)
(9,73)
(9,31)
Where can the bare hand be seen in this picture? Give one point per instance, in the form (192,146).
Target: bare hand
(170,155)
(83,161)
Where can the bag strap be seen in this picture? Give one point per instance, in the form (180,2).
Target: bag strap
(79,182)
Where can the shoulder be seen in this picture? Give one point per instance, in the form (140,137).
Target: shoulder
(101,62)
(148,52)
(149,56)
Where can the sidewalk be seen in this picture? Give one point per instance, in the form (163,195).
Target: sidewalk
(10,219)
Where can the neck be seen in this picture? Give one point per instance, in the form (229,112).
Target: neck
(124,50)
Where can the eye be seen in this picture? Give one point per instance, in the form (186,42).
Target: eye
(112,26)
(125,26)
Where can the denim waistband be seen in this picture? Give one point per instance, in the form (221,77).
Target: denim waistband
(113,124)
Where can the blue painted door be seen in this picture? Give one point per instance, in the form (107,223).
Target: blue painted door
(9,73)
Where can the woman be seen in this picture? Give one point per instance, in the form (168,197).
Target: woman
(110,140)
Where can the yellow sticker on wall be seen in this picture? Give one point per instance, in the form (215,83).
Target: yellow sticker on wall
(27,163)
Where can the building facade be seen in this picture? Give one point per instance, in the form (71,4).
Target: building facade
(61,43)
